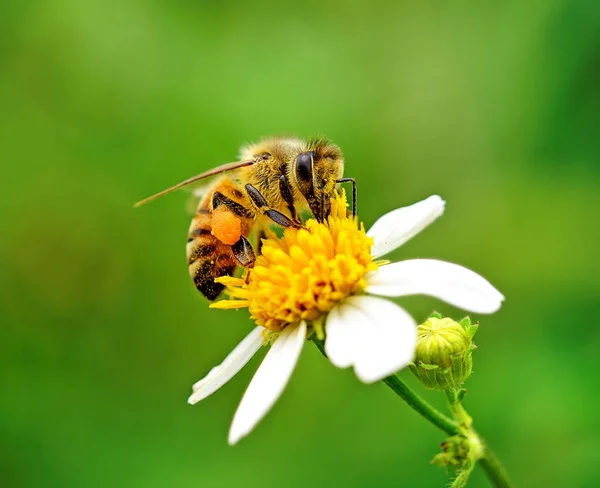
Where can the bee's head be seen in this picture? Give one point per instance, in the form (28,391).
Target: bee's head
(315,173)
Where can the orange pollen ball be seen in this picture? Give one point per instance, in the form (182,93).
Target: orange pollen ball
(226,226)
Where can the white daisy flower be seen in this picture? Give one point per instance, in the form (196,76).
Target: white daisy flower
(325,277)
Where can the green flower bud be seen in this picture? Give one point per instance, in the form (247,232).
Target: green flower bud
(455,452)
(444,354)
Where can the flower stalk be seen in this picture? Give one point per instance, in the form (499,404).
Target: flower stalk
(414,401)
(460,426)
(478,450)
(418,404)
(459,413)
(494,469)
(463,476)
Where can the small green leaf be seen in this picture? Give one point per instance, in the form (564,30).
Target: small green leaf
(465,322)
(472,329)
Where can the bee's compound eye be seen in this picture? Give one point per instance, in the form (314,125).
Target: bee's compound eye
(304,166)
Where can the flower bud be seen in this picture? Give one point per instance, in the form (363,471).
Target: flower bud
(455,452)
(443,357)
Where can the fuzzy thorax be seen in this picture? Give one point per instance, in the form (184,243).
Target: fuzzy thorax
(302,275)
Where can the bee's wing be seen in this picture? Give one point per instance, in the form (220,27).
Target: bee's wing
(211,172)
(195,195)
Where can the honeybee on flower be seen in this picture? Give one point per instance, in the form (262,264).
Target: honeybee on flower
(327,279)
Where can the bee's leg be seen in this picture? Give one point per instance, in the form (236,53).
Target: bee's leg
(219,199)
(286,193)
(264,208)
(243,252)
(347,180)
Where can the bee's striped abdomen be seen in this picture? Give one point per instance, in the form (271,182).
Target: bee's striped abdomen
(208,257)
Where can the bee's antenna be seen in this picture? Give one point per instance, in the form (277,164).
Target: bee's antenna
(206,174)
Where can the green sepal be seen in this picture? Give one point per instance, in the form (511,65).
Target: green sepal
(469,327)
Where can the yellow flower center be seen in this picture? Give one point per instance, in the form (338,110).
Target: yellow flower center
(302,275)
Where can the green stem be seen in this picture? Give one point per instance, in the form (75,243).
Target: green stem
(460,426)
(417,403)
(458,411)
(414,401)
(463,476)
(479,450)
(494,469)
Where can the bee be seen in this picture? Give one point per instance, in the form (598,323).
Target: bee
(275,181)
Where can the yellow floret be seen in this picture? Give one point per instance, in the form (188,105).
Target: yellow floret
(302,275)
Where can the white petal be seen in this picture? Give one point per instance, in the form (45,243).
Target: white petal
(398,226)
(346,326)
(452,283)
(269,381)
(221,374)
(374,335)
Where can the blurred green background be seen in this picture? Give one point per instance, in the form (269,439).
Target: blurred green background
(493,105)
